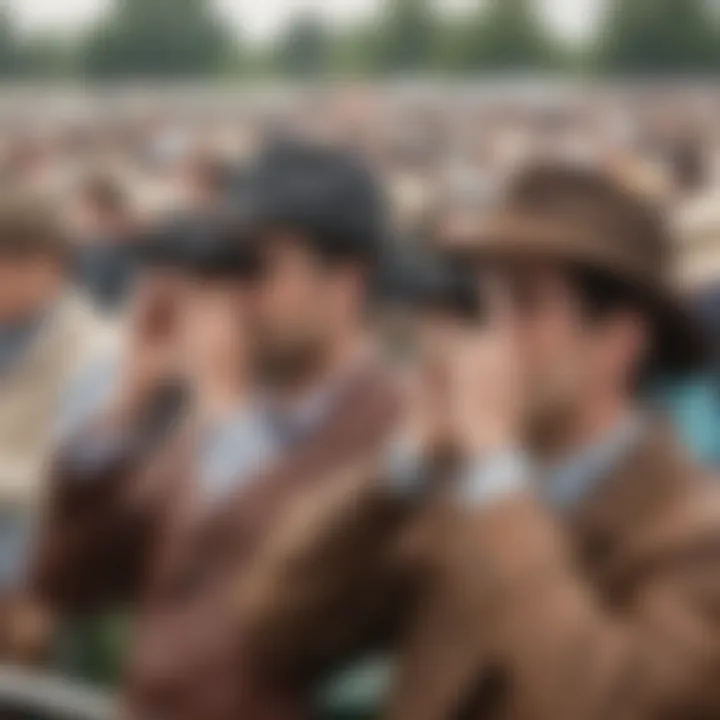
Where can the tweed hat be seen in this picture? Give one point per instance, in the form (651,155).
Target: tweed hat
(582,217)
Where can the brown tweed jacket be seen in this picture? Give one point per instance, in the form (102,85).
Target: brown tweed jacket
(141,535)
(512,611)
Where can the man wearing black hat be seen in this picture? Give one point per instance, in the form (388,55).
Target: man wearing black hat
(173,535)
(317,222)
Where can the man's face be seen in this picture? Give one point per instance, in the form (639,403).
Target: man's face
(571,358)
(29,284)
(556,346)
(212,333)
(297,306)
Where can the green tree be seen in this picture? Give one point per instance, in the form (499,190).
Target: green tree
(500,35)
(47,56)
(658,36)
(10,47)
(161,38)
(407,38)
(304,48)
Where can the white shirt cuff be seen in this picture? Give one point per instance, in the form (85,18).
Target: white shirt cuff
(486,480)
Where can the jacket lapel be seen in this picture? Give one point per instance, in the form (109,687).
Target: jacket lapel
(358,423)
(651,478)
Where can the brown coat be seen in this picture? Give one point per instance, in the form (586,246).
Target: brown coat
(143,538)
(514,612)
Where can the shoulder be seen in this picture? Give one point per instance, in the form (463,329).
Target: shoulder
(684,533)
(661,512)
(88,391)
(92,362)
(91,334)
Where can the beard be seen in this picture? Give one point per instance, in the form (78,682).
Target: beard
(548,425)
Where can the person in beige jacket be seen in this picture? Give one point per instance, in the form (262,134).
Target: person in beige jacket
(51,343)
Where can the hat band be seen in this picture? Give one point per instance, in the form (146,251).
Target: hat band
(518,236)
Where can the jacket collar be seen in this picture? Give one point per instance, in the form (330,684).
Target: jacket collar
(583,472)
(649,482)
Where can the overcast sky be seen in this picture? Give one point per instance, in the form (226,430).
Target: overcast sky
(262,17)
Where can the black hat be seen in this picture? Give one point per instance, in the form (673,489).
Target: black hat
(323,191)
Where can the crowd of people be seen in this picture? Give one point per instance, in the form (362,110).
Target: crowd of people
(422,384)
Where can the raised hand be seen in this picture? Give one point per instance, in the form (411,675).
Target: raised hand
(485,379)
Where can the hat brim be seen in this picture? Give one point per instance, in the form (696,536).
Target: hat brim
(681,345)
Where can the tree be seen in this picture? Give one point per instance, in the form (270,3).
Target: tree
(47,55)
(500,35)
(407,39)
(354,50)
(161,38)
(658,36)
(10,49)
(305,47)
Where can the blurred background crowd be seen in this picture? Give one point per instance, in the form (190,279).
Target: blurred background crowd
(114,168)
(150,111)
(117,165)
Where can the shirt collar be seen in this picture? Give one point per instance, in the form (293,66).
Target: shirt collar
(578,475)
(294,423)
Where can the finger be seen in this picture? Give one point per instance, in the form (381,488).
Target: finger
(497,296)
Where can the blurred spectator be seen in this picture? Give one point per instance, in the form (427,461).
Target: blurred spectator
(48,337)
(204,183)
(695,401)
(105,251)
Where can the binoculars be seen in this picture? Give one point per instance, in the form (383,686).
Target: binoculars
(201,245)
(421,279)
